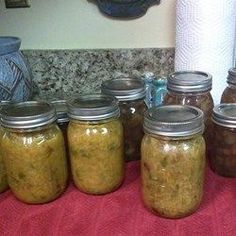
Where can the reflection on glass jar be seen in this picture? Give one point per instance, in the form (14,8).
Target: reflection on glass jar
(223,156)
(33,152)
(96,146)
(131,93)
(229,94)
(192,88)
(173,160)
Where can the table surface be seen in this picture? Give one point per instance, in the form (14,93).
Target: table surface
(120,212)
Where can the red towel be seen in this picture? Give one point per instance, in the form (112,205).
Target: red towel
(120,213)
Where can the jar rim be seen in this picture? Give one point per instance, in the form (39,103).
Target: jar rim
(124,88)
(27,115)
(231,78)
(61,110)
(225,115)
(173,121)
(92,107)
(189,81)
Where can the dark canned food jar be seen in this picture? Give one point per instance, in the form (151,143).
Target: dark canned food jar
(33,151)
(229,94)
(192,88)
(95,136)
(131,93)
(62,118)
(223,157)
(173,160)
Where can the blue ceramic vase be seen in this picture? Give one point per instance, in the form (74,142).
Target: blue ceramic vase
(15,74)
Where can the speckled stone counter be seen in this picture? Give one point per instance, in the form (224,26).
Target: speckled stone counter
(66,73)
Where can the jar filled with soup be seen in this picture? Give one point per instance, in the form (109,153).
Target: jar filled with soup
(173,160)
(223,156)
(229,94)
(95,137)
(33,152)
(192,88)
(131,94)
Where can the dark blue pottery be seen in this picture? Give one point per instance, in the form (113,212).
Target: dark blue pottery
(15,74)
(125,8)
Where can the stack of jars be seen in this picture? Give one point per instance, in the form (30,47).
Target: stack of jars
(101,131)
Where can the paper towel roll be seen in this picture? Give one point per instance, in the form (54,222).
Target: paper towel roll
(205,32)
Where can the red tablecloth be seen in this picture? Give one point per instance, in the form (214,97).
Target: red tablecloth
(120,213)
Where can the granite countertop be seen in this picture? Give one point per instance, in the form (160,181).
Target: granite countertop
(61,74)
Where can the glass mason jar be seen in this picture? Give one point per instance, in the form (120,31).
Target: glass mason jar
(223,156)
(229,94)
(173,160)
(62,118)
(95,137)
(33,152)
(131,94)
(192,88)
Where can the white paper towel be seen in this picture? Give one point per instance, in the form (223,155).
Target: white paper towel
(205,33)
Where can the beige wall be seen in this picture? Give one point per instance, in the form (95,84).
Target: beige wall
(75,24)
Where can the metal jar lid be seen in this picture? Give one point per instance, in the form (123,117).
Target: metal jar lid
(61,110)
(124,89)
(189,81)
(173,121)
(93,107)
(27,115)
(231,79)
(225,115)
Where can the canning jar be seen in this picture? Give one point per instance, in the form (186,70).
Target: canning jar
(192,88)
(173,160)
(62,118)
(223,156)
(131,94)
(229,94)
(33,152)
(95,137)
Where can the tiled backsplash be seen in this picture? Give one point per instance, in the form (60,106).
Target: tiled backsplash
(65,73)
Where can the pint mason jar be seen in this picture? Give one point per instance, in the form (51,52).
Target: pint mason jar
(192,88)
(33,152)
(173,160)
(131,93)
(223,156)
(95,136)
(229,94)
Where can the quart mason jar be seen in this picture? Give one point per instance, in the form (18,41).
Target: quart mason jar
(173,160)
(95,136)
(229,94)
(131,94)
(33,152)
(223,156)
(192,88)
